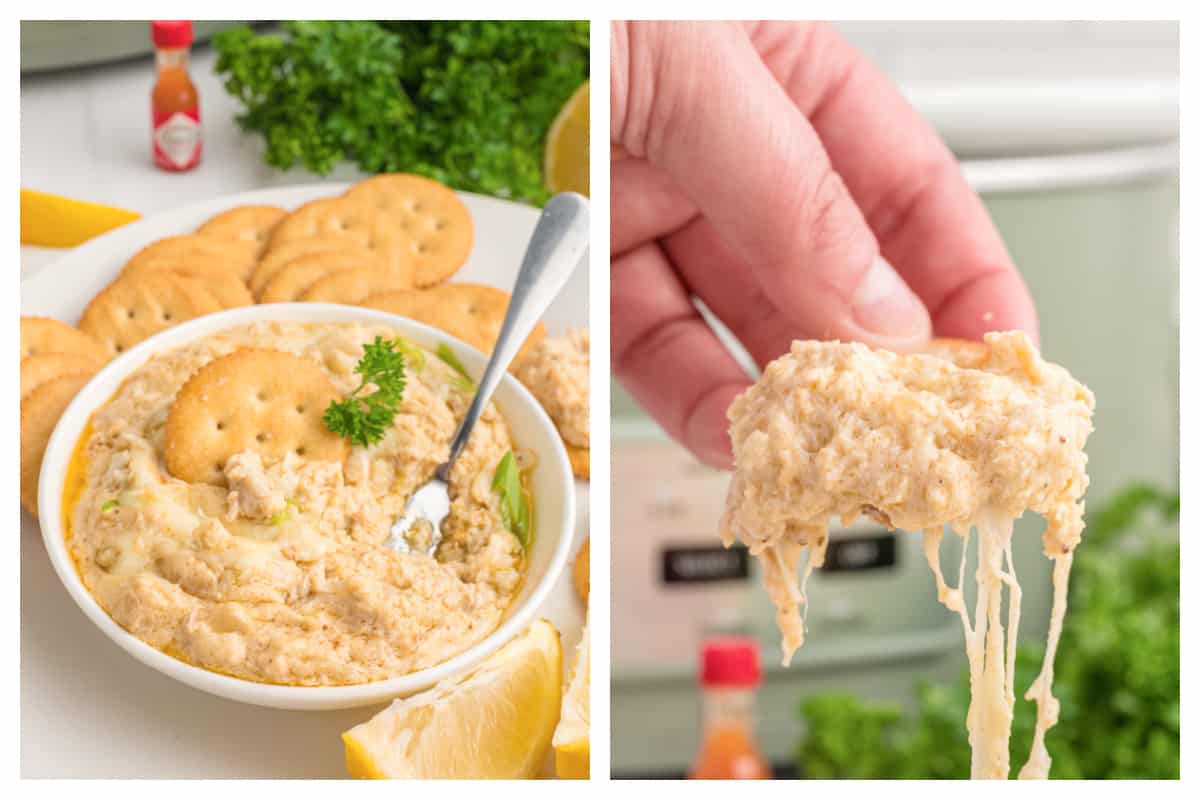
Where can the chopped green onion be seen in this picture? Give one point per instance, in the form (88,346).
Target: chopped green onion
(514,508)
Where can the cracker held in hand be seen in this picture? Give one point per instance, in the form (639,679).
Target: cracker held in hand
(245,224)
(42,336)
(137,306)
(469,311)
(40,411)
(266,401)
(436,221)
(239,256)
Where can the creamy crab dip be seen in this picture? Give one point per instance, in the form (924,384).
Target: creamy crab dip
(278,573)
(556,373)
(969,438)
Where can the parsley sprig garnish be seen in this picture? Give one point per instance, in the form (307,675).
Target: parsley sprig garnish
(364,418)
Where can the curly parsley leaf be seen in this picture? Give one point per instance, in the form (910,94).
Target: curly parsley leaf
(514,507)
(364,418)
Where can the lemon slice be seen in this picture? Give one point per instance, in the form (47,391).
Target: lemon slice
(572,742)
(566,157)
(494,723)
(48,220)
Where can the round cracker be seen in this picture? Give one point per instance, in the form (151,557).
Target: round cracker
(296,276)
(433,216)
(354,286)
(582,571)
(267,401)
(40,411)
(350,220)
(581,461)
(43,336)
(215,277)
(227,290)
(240,257)
(277,258)
(250,224)
(137,306)
(469,311)
(37,370)
(198,265)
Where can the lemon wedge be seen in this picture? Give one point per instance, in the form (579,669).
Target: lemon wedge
(494,723)
(48,220)
(572,742)
(566,156)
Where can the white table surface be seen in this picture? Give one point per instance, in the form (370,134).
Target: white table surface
(88,709)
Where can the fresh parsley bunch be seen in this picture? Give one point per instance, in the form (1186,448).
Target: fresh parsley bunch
(467,102)
(1116,674)
(365,418)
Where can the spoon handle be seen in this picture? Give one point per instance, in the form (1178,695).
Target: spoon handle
(558,244)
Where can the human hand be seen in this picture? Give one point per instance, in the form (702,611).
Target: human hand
(773,172)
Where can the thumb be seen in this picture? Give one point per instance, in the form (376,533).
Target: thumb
(696,100)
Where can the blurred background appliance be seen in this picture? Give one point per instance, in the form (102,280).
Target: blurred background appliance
(1068,130)
(52,45)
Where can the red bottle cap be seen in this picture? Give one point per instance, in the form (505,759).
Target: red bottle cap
(171,32)
(730,661)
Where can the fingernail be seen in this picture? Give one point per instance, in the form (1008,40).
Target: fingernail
(885,306)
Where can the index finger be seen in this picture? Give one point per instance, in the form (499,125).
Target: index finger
(930,225)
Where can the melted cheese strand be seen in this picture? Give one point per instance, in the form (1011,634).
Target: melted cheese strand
(1038,765)
(1014,621)
(779,563)
(948,596)
(989,719)
(816,558)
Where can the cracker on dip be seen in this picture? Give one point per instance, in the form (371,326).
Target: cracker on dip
(267,401)
(279,571)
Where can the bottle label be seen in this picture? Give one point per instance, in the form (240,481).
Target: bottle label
(177,139)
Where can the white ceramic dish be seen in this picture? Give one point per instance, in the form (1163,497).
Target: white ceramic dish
(68,663)
(552,486)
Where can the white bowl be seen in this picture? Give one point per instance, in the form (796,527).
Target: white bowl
(551,483)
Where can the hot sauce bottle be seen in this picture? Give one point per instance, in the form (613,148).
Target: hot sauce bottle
(729,676)
(174,103)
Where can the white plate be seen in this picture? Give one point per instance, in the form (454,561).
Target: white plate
(87,708)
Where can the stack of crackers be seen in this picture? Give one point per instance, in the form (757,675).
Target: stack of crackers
(392,242)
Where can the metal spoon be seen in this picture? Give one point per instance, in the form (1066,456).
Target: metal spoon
(558,244)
